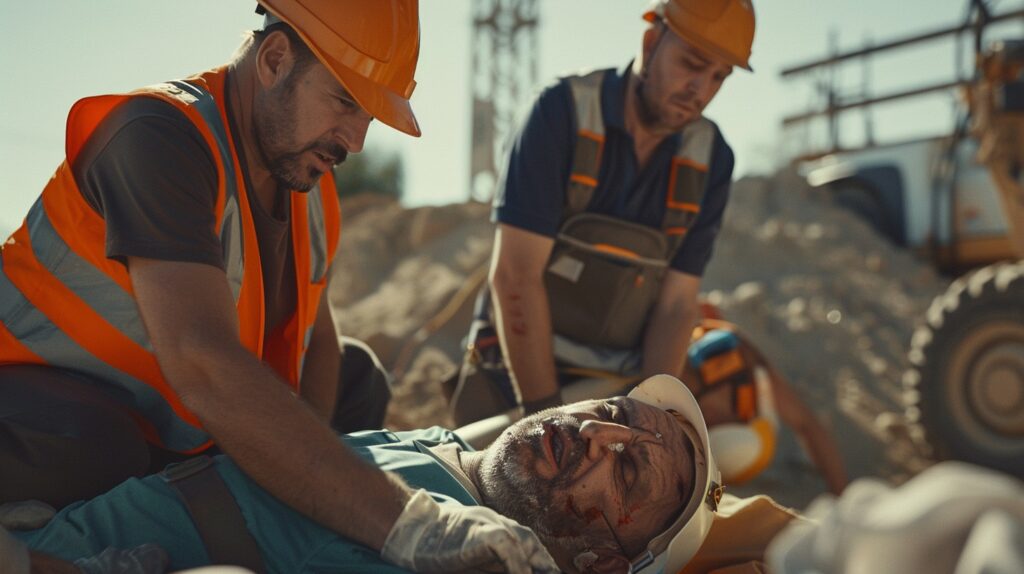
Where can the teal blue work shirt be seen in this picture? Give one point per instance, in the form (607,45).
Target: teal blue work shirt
(147,510)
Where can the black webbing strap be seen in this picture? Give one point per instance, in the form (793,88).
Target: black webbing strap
(215,513)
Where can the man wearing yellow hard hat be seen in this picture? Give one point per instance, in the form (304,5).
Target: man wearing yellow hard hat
(165,293)
(607,214)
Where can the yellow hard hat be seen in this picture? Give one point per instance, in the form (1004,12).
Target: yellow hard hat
(370,47)
(724,28)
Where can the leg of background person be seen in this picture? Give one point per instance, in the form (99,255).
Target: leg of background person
(364,389)
(62,439)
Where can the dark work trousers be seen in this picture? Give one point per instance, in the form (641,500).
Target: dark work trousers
(364,391)
(63,439)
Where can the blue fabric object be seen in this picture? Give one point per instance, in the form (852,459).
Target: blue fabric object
(147,511)
(531,194)
(712,343)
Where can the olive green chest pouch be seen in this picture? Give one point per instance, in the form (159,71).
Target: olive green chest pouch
(603,278)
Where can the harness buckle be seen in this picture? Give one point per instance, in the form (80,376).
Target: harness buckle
(714,496)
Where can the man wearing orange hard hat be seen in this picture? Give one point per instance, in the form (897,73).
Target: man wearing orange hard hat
(166,293)
(607,215)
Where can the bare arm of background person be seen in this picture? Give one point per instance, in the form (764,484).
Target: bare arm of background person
(521,310)
(671,325)
(813,435)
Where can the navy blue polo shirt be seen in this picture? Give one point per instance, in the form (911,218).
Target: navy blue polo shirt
(531,194)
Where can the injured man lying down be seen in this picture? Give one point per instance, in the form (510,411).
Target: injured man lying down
(616,485)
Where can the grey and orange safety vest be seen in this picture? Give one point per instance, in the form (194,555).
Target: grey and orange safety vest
(64,304)
(604,274)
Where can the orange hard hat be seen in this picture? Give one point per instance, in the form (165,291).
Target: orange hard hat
(724,28)
(370,47)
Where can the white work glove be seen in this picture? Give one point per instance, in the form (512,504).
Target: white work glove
(430,537)
(951,518)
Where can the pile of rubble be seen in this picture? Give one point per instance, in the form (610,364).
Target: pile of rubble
(824,297)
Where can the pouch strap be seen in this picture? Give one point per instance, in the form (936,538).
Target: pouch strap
(215,513)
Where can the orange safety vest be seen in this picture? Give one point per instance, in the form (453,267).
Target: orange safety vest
(64,304)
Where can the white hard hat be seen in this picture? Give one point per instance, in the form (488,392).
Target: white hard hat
(673,548)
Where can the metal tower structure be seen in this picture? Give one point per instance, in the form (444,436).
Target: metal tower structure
(504,70)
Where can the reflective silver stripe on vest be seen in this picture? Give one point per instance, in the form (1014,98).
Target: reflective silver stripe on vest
(231,237)
(696,144)
(317,235)
(698,141)
(34,330)
(586,97)
(82,278)
(305,346)
(586,159)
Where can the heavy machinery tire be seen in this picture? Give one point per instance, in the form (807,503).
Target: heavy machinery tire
(966,387)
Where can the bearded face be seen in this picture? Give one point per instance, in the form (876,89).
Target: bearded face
(601,477)
(677,80)
(305,122)
(294,164)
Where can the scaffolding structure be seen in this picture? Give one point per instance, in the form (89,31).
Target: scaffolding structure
(836,104)
(503,71)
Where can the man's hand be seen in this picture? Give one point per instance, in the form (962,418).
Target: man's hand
(429,537)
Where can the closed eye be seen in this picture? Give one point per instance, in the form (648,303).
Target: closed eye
(627,471)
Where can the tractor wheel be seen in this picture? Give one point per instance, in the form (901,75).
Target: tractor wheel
(966,387)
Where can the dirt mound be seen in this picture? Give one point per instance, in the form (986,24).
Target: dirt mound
(830,302)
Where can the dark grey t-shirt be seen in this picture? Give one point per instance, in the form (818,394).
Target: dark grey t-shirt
(149,173)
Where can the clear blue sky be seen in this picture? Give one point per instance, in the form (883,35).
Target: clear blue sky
(56,51)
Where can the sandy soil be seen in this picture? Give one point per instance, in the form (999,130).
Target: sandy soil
(830,302)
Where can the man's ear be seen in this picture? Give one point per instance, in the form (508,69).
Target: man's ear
(650,40)
(274,59)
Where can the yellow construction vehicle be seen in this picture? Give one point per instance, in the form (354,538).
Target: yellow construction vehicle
(957,200)
(967,385)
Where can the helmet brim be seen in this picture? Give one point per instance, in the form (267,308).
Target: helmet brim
(674,547)
(387,106)
(384,105)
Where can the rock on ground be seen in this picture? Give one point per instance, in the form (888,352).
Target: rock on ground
(832,304)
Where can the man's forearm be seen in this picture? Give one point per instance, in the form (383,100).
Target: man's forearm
(667,339)
(524,329)
(288,450)
(320,375)
(824,453)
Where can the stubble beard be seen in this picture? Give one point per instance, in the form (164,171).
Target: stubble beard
(649,113)
(275,114)
(510,487)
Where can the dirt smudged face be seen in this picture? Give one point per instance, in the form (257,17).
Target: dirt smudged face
(609,473)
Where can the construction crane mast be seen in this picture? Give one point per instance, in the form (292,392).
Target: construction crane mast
(504,70)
